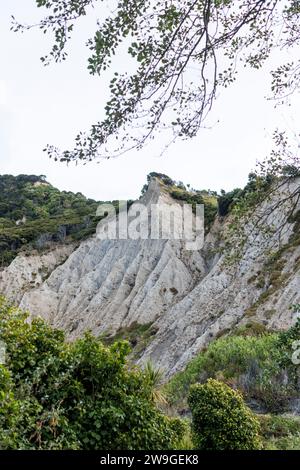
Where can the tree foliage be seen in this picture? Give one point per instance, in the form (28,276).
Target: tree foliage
(269,203)
(182,52)
(227,200)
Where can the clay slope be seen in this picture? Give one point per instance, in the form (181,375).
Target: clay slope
(108,284)
(190,297)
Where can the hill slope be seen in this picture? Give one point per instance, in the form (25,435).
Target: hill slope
(169,301)
(33,213)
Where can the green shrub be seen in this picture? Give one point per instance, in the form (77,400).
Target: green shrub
(9,410)
(259,366)
(279,426)
(280,432)
(227,200)
(221,420)
(290,442)
(181,430)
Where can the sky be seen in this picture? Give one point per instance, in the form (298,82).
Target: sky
(49,105)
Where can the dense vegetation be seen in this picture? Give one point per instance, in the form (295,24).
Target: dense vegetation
(259,364)
(80,395)
(32,197)
(85,395)
(33,213)
(255,361)
(250,195)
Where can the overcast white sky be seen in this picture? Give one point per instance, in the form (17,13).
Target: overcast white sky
(41,105)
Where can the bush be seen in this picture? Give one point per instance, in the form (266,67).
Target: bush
(246,361)
(80,395)
(221,420)
(280,432)
(9,410)
(261,367)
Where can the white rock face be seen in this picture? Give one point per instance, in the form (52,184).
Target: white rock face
(189,296)
(224,297)
(29,271)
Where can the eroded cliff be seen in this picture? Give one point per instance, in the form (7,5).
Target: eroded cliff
(188,297)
